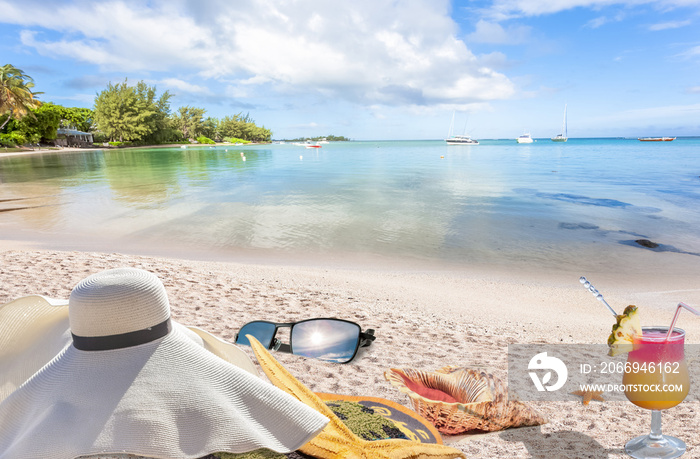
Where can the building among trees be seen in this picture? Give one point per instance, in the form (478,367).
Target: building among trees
(72,138)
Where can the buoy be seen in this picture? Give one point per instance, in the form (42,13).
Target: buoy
(442,157)
(301,157)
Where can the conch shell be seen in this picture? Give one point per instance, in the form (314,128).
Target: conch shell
(457,399)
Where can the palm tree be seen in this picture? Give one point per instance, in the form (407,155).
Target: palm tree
(16,96)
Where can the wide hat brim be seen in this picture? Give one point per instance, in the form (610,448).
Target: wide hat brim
(168,398)
(34,329)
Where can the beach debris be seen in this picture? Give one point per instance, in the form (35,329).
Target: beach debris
(628,325)
(456,399)
(647,243)
(589,395)
(336,439)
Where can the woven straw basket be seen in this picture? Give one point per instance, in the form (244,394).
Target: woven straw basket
(456,400)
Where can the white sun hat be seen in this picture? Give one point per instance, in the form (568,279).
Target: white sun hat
(35,328)
(133,382)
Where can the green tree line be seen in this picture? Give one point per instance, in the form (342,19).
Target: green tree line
(121,113)
(330,138)
(41,124)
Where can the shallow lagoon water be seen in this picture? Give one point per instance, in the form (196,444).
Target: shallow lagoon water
(547,204)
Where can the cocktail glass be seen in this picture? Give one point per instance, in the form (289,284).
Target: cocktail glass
(656,378)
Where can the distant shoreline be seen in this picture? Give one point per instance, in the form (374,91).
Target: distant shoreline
(72,150)
(39,151)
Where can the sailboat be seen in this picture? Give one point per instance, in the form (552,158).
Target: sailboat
(563,137)
(458,139)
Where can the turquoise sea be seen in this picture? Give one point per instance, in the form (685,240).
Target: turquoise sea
(547,204)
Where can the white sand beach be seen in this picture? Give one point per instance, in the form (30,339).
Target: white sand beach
(424,319)
(41,150)
(44,149)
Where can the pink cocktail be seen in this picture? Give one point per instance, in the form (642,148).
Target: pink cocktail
(656,378)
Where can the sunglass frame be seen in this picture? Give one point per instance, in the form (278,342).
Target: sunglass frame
(364,339)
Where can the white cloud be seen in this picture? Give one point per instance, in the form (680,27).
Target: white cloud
(85,50)
(366,51)
(487,85)
(507,9)
(114,35)
(691,53)
(176,83)
(602,20)
(492,32)
(693,90)
(495,60)
(669,25)
(597,22)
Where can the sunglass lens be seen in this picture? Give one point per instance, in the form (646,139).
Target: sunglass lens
(325,339)
(262,331)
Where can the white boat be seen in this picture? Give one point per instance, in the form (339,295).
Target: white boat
(525,138)
(458,139)
(563,137)
(656,139)
(461,140)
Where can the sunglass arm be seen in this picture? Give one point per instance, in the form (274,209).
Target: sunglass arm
(279,346)
(367,337)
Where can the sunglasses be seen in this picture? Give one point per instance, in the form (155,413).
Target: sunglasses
(333,340)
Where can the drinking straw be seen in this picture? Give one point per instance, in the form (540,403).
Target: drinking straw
(599,296)
(675,317)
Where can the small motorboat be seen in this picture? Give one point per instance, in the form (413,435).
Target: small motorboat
(525,138)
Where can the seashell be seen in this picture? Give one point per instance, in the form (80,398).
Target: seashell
(456,400)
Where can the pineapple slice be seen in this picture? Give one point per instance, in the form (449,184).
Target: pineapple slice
(628,325)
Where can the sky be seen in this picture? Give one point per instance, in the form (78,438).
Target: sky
(378,69)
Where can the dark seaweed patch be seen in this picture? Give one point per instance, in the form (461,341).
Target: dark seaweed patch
(15,208)
(585,200)
(656,247)
(578,226)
